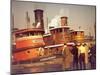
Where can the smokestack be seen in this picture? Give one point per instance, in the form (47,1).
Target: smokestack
(64,21)
(39,18)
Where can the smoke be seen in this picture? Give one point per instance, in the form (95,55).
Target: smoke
(55,21)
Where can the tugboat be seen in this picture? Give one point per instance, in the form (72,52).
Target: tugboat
(28,41)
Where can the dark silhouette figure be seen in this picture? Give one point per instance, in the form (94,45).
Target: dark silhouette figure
(75,57)
(93,57)
(82,61)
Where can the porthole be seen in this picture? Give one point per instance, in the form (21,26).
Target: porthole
(28,51)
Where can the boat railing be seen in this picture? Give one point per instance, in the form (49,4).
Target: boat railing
(29,37)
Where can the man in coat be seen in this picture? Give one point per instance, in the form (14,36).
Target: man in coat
(67,58)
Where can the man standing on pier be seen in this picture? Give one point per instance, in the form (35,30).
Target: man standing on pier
(67,58)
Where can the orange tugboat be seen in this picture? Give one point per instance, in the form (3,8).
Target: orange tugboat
(27,43)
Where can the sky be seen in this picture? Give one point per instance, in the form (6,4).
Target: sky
(82,16)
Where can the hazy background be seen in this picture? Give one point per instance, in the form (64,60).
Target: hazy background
(78,15)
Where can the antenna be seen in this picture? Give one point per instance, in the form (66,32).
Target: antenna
(47,25)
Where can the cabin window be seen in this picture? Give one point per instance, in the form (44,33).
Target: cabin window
(75,33)
(19,35)
(39,33)
(68,32)
(82,33)
(60,30)
(35,33)
(65,30)
(51,32)
(54,31)
(78,33)
(57,30)
(24,34)
(32,33)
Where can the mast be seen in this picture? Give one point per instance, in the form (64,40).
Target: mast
(27,20)
(12,18)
